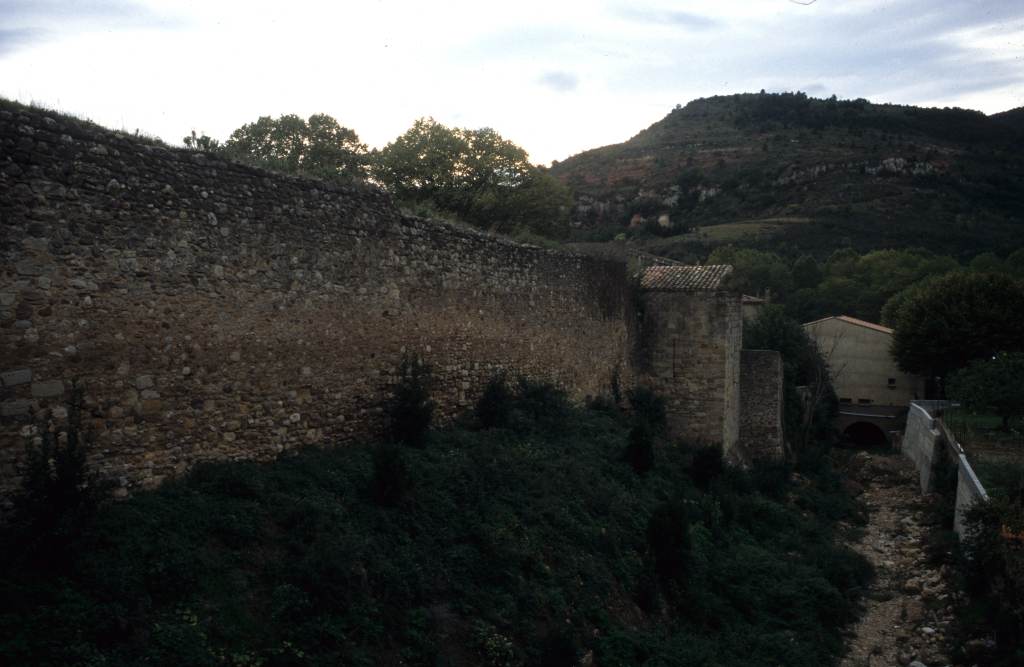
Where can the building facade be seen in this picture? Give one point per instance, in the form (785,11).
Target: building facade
(873,392)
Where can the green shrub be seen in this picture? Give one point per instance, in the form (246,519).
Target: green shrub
(511,547)
(57,495)
(707,465)
(494,407)
(640,450)
(391,479)
(603,404)
(411,409)
(559,649)
(539,405)
(648,406)
(993,567)
(771,477)
(668,542)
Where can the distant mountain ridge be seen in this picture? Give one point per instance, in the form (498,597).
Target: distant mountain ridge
(1013,118)
(859,174)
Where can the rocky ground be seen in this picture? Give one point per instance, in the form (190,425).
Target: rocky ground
(910,606)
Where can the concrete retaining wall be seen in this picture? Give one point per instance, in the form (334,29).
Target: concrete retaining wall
(922,443)
(928,443)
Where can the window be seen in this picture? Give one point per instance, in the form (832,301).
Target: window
(846,400)
(892,383)
(864,401)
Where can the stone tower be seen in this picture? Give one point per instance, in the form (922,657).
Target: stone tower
(691,331)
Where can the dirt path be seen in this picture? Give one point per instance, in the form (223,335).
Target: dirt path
(908,607)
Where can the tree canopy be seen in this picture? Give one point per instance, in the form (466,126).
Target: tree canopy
(755,271)
(802,366)
(991,385)
(201,143)
(319,146)
(956,319)
(474,175)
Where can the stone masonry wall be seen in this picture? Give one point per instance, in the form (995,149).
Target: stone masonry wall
(216,311)
(690,355)
(761,434)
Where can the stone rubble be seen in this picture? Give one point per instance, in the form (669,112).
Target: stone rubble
(909,608)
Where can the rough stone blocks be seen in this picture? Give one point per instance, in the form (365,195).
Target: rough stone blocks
(15,408)
(48,389)
(14,378)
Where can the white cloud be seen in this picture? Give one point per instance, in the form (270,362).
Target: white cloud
(556,78)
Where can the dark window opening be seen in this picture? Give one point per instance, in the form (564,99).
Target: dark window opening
(864,401)
(846,400)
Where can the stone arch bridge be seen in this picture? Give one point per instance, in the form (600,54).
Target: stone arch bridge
(871,424)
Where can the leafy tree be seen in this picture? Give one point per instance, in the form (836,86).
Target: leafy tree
(991,385)
(898,300)
(755,270)
(802,366)
(774,330)
(956,319)
(842,261)
(987,262)
(1015,263)
(474,175)
(201,143)
(319,146)
(860,285)
(806,272)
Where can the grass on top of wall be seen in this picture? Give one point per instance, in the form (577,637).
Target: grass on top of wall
(532,544)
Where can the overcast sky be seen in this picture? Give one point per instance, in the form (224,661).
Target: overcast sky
(555,76)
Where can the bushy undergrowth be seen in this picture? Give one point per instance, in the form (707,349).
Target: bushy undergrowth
(992,564)
(507,546)
(411,409)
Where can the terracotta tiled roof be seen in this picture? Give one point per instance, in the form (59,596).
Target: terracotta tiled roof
(854,320)
(685,278)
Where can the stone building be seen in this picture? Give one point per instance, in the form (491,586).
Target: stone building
(873,392)
(691,330)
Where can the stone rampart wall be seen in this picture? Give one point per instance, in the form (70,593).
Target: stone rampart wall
(761,434)
(216,311)
(690,355)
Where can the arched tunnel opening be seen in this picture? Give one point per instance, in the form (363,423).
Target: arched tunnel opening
(865,434)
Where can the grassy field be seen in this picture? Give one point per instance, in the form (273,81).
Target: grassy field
(534,544)
(747,231)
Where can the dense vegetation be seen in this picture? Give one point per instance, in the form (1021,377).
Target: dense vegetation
(953,320)
(532,542)
(992,567)
(474,176)
(992,386)
(319,147)
(816,174)
(872,286)
(807,419)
